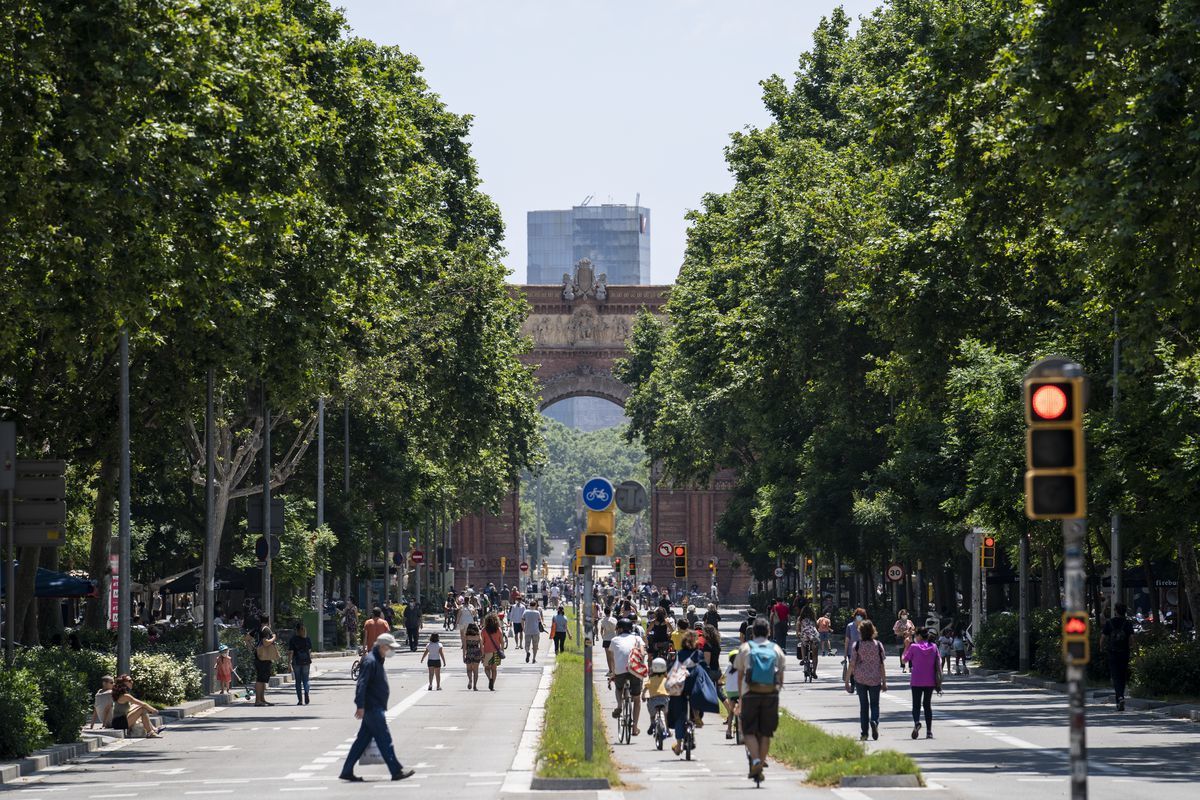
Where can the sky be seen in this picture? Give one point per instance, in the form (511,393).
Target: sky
(609,98)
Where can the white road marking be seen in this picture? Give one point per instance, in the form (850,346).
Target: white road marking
(326,759)
(302,789)
(520,773)
(102,796)
(210,791)
(483,783)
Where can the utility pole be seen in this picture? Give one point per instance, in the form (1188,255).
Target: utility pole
(588,684)
(1074,531)
(346,482)
(1023,619)
(319,579)
(266,498)
(976,571)
(124,599)
(1117,567)
(208,592)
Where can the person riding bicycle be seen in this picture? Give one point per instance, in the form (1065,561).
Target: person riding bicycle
(660,634)
(760,665)
(808,639)
(451,609)
(655,694)
(679,708)
(622,647)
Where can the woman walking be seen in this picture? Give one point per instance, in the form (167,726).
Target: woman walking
(493,649)
(904,635)
(472,654)
(926,664)
(265,653)
(866,670)
(301,647)
(559,629)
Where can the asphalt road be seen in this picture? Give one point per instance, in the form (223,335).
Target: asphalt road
(992,739)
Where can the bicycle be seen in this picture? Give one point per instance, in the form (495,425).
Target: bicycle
(660,727)
(689,738)
(625,719)
(806,661)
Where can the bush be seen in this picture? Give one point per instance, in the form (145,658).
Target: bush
(1166,668)
(66,679)
(998,645)
(162,680)
(24,729)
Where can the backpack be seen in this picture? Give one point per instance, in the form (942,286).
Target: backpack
(1119,638)
(762,663)
(678,676)
(637,662)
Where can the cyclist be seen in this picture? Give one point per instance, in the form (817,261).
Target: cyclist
(731,693)
(451,609)
(808,637)
(660,634)
(679,707)
(760,675)
(621,647)
(655,693)
(608,629)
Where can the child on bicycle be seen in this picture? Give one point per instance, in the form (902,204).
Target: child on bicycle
(654,694)
(732,693)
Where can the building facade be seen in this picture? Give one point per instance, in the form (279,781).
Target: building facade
(614,237)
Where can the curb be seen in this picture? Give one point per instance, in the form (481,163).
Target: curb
(335,654)
(49,757)
(189,709)
(569,784)
(1157,707)
(880,782)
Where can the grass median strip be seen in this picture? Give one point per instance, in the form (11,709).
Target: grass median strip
(828,758)
(560,750)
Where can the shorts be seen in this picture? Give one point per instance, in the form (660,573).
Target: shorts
(655,703)
(518,627)
(607,644)
(628,679)
(824,637)
(120,723)
(760,714)
(434,663)
(262,671)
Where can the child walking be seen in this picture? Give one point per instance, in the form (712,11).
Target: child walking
(435,652)
(960,655)
(945,643)
(224,668)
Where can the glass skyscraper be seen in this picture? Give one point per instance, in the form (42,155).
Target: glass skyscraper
(615,238)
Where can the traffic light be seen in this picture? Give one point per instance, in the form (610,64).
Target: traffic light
(987,553)
(598,536)
(632,565)
(712,565)
(503,564)
(1055,478)
(1076,646)
(577,563)
(808,561)
(617,565)
(681,561)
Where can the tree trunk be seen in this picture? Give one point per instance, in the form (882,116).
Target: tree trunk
(26,583)
(50,621)
(1049,582)
(102,525)
(1188,574)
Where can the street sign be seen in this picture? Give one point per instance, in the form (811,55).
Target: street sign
(895,572)
(8,455)
(254,514)
(779,572)
(260,548)
(598,494)
(417,556)
(631,497)
(665,548)
(524,566)
(971,541)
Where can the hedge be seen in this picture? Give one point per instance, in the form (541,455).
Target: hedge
(163,680)
(21,707)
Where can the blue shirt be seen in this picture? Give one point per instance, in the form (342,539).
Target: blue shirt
(371,694)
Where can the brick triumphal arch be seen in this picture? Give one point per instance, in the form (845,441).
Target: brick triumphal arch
(579,329)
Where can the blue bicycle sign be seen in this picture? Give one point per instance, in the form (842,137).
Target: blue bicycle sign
(598,494)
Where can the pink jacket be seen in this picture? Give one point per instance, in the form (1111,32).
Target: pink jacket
(925,661)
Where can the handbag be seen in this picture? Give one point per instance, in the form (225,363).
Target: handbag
(676,678)
(371,755)
(267,652)
(498,654)
(637,662)
(704,693)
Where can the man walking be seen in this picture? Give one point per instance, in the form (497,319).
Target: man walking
(759,665)
(374,627)
(412,624)
(532,630)
(371,699)
(1115,638)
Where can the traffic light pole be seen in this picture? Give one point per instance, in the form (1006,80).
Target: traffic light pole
(588,685)
(1073,531)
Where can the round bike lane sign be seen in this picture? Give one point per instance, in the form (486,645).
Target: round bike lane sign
(598,494)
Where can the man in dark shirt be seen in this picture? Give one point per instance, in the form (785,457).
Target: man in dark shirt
(745,628)
(412,624)
(371,699)
(1116,638)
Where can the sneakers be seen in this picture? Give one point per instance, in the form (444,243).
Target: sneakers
(526,656)
(402,774)
(616,713)
(1121,704)
(862,738)
(928,734)
(916,730)
(874,730)
(677,748)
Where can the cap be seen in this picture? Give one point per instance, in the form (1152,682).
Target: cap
(222,648)
(385,639)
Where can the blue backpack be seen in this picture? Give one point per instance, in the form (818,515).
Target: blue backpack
(762,663)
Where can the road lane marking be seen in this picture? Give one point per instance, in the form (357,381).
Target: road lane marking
(302,789)
(520,773)
(210,791)
(104,796)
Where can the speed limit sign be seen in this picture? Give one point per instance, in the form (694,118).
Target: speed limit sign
(895,572)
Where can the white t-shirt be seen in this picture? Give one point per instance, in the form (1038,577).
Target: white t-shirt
(465,616)
(554,594)
(434,650)
(533,618)
(517,614)
(621,647)
(608,628)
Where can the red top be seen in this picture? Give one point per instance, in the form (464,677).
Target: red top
(782,611)
(491,641)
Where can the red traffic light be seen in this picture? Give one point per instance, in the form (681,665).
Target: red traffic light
(680,550)
(1049,401)
(1075,625)
(989,541)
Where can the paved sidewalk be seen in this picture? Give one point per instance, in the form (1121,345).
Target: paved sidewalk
(718,766)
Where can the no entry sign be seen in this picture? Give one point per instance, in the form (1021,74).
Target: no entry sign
(418,556)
